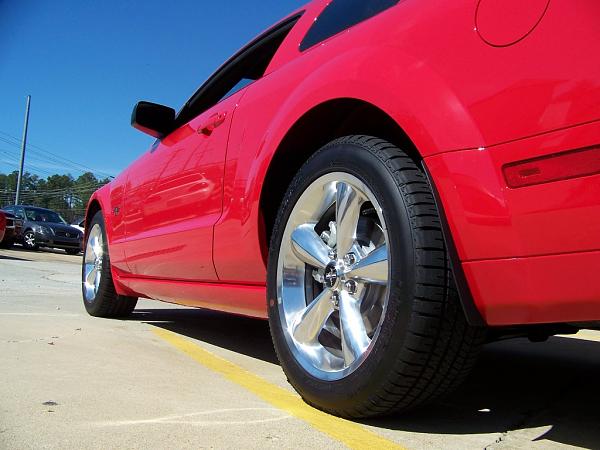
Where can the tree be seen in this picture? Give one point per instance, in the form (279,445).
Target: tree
(61,193)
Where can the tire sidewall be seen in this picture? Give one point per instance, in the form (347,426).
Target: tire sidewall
(94,307)
(353,389)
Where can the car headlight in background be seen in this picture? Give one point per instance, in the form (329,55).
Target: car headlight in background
(42,229)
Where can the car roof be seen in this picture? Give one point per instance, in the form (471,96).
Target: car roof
(37,208)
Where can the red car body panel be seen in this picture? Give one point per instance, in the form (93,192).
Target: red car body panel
(490,220)
(471,93)
(2,225)
(184,174)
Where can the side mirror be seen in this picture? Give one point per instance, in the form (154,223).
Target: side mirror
(153,119)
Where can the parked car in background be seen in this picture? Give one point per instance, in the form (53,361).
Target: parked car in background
(390,182)
(12,229)
(46,228)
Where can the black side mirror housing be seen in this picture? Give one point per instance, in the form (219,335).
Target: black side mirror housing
(153,119)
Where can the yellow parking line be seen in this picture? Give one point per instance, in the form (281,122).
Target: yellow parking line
(349,433)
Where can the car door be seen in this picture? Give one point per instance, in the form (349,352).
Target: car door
(175,197)
(174,194)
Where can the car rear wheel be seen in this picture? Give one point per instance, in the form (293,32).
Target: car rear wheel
(363,309)
(29,241)
(99,295)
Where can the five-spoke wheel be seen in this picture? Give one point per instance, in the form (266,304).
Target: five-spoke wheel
(92,263)
(100,297)
(333,275)
(363,310)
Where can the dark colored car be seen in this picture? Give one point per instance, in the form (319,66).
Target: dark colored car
(46,228)
(11,230)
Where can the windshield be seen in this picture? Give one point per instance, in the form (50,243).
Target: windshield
(42,215)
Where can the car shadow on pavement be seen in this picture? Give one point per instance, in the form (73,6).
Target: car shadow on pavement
(239,334)
(516,385)
(12,258)
(519,385)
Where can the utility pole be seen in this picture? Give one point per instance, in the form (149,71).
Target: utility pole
(23,145)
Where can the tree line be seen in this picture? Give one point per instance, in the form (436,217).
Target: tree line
(62,193)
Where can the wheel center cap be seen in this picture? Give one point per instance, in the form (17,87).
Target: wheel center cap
(331,275)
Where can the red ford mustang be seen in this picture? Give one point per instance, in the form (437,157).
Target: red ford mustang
(390,182)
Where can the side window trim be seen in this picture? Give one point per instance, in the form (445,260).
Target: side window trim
(285,26)
(332,20)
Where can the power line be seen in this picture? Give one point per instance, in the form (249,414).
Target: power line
(62,158)
(57,164)
(73,163)
(74,189)
(16,161)
(53,161)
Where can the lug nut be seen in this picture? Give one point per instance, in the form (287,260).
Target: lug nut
(335,299)
(350,286)
(350,259)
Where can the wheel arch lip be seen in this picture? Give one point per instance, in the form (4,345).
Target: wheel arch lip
(99,201)
(472,313)
(425,123)
(445,125)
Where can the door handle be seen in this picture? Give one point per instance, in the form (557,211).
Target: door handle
(211,123)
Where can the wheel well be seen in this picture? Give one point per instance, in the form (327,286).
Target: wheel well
(93,208)
(322,124)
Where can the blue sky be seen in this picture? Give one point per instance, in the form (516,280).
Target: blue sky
(86,63)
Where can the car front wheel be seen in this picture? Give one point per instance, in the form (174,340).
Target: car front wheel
(29,241)
(363,310)
(99,296)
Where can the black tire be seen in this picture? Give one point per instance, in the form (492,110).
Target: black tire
(29,242)
(106,302)
(72,251)
(7,243)
(425,347)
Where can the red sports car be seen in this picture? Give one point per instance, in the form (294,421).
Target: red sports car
(390,182)
(2,225)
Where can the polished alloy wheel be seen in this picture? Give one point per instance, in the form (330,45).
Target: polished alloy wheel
(92,260)
(332,276)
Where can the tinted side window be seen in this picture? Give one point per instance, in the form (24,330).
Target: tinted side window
(248,65)
(342,14)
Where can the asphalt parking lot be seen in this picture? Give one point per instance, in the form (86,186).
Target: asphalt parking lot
(172,377)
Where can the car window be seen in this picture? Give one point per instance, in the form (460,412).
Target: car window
(42,215)
(248,65)
(240,85)
(19,212)
(340,15)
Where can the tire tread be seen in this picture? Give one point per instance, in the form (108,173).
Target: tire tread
(441,346)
